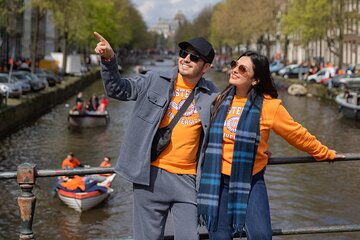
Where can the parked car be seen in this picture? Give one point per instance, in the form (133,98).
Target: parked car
(50,78)
(35,82)
(25,86)
(43,80)
(349,82)
(320,75)
(295,72)
(286,68)
(276,66)
(56,76)
(9,88)
(335,80)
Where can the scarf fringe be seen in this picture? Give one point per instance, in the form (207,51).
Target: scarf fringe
(209,222)
(237,230)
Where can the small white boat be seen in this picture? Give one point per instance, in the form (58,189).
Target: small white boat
(349,105)
(82,201)
(88,119)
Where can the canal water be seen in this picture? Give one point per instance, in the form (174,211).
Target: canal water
(301,195)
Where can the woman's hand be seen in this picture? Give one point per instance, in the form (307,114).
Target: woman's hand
(338,156)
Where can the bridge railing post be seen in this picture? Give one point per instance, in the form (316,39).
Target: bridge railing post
(26,199)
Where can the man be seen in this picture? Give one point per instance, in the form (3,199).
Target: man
(73,183)
(106,162)
(70,162)
(79,103)
(168,183)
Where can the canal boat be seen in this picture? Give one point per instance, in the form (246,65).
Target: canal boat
(349,104)
(82,201)
(88,119)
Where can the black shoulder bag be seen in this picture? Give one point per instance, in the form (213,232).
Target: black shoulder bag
(163,135)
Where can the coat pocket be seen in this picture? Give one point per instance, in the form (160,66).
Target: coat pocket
(151,106)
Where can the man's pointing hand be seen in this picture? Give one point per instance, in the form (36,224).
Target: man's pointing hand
(103,47)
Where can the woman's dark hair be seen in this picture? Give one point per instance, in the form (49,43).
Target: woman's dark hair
(262,74)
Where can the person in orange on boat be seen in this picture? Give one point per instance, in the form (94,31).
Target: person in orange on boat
(73,183)
(106,162)
(71,162)
(104,102)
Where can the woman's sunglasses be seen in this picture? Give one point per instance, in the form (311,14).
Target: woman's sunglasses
(241,68)
(193,57)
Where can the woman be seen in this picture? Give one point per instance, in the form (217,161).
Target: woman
(232,193)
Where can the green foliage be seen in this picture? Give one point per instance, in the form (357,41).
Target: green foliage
(185,31)
(225,27)
(117,20)
(109,18)
(238,22)
(9,10)
(310,19)
(76,20)
(140,37)
(200,27)
(201,24)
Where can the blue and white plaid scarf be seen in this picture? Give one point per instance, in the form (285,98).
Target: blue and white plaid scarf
(246,143)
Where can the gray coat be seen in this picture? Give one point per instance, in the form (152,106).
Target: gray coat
(152,93)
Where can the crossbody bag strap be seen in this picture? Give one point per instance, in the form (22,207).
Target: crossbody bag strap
(182,110)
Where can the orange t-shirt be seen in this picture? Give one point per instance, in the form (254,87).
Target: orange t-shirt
(273,116)
(105,164)
(73,163)
(180,155)
(74,183)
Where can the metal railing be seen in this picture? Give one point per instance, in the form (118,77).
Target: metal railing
(27,173)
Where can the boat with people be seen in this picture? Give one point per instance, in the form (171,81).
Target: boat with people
(88,118)
(349,104)
(82,201)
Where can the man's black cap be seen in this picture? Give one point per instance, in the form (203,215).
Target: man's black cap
(202,46)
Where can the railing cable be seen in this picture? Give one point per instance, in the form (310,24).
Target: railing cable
(27,173)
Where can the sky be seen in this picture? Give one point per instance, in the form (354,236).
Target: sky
(152,10)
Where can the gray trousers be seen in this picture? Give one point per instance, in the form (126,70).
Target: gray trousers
(168,192)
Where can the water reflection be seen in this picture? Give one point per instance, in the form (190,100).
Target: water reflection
(301,195)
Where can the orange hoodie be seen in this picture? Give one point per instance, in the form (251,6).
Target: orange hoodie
(70,163)
(74,183)
(273,116)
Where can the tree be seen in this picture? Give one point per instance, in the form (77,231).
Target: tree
(39,9)
(185,31)
(67,20)
(9,12)
(76,29)
(226,28)
(201,24)
(313,20)
(265,22)
(200,27)
(141,38)
(234,23)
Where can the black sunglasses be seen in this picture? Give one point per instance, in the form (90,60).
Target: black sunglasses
(193,57)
